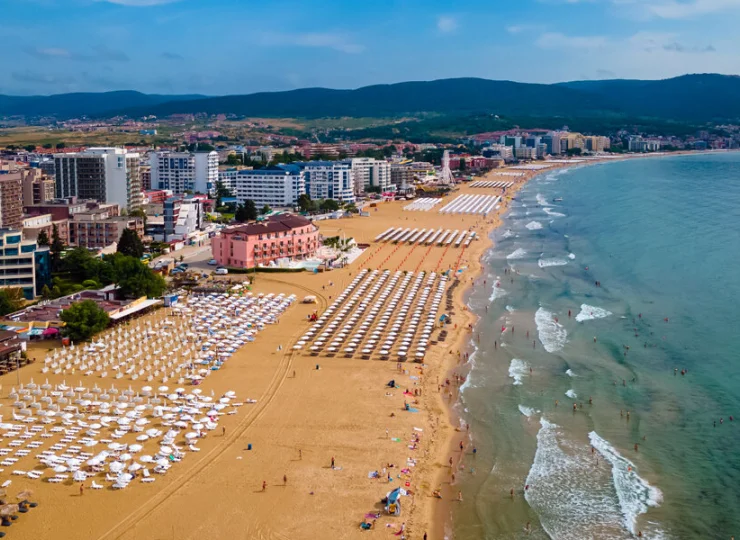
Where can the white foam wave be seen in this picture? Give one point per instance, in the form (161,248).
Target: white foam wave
(517,370)
(510,309)
(635,494)
(545,263)
(552,335)
(541,200)
(519,253)
(571,256)
(534,225)
(507,234)
(589,313)
(571,394)
(569,373)
(497,292)
(552,213)
(527,411)
(573,499)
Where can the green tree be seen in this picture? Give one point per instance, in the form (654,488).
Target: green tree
(221,192)
(61,145)
(79,264)
(56,249)
(251,209)
(463,165)
(305,203)
(46,292)
(84,320)
(234,159)
(48,146)
(135,278)
(240,215)
(30,147)
(43,238)
(329,205)
(265,210)
(11,299)
(130,244)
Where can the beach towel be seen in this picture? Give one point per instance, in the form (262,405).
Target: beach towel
(418,429)
(396,439)
(411,409)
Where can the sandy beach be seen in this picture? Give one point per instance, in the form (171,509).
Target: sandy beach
(303,418)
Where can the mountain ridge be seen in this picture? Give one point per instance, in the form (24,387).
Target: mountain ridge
(688,98)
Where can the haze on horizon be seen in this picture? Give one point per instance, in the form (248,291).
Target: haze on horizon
(240,46)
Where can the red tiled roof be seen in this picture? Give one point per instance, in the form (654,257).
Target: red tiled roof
(274,224)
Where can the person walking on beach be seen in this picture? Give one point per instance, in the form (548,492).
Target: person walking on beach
(264,485)
(285,479)
(459,496)
(82,489)
(332,462)
(300,454)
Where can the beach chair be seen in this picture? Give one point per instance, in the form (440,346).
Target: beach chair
(96,486)
(147,479)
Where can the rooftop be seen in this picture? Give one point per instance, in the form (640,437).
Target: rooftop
(276,223)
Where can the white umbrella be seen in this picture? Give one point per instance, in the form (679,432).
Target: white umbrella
(165,449)
(135,467)
(146,459)
(142,437)
(91,443)
(116,467)
(162,462)
(135,448)
(125,457)
(191,435)
(60,469)
(79,476)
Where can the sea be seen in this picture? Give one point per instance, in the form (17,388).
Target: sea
(603,382)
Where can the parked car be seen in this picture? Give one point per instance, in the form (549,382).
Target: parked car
(177,271)
(212,262)
(221,271)
(183,265)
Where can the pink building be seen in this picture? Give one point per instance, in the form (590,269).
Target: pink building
(281,236)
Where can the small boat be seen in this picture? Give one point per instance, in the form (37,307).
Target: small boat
(557,199)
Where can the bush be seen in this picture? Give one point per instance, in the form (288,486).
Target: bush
(84,320)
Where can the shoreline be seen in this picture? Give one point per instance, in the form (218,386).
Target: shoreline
(441,521)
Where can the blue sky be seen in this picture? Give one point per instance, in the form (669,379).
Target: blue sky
(220,47)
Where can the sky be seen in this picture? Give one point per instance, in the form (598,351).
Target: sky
(219,47)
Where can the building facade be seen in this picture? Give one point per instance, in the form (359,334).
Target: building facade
(277,187)
(283,236)
(370,173)
(329,180)
(103,174)
(196,172)
(11,201)
(37,186)
(23,264)
(96,229)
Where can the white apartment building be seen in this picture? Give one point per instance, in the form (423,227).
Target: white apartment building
(108,175)
(370,172)
(277,187)
(184,171)
(330,180)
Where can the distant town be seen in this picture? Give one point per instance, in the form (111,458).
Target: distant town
(202,191)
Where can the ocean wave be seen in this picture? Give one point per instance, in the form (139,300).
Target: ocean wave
(569,373)
(497,292)
(527,411)
(571,394)
(534,225)
(571,256)
(507,234)
(572,498)
(517,370)
(552,213)
(541,200)
(545,263)
(519,253)
(589,313)
(635,494)
(510,309)
(552,335)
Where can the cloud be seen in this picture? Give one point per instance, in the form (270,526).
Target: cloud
(515,29)
(48,52)
(328,40)
(172,56)
(447,24)
(99,53)
(139,3)
(102,52)
(678,9)
(556,40)
(36,77)
(651,42)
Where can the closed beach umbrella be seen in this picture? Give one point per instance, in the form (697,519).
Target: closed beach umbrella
(8,510)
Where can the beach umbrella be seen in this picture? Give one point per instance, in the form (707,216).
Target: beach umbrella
(191,435)
(165,449)
(135,467)
(146,459)
(116,467)
(162,462)
(60,469)
(93,462)
(91,443)
(79,476)
(135,448)
(125,457)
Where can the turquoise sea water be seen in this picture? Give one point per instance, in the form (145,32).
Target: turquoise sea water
(662,236)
